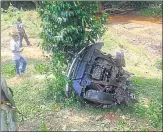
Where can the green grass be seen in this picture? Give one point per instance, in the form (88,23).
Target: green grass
(148,89)
(42,67)
(30,97)
(29,18)
(138,60)
(37,97)
(43,127)
(8,70)
(149,84)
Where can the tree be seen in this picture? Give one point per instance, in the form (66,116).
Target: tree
(67,27)
(71,25)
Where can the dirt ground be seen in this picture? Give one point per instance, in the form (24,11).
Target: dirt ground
(136,30)
(73,120)
(139,30)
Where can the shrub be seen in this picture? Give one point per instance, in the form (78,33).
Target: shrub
(67,27)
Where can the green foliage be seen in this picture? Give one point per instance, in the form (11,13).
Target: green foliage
(137,5)
(12,11)
(43,127)
(30,20)
(55,87)
(30,96)
(2,10)
(9,16)
(69,26)
(9,70)
(153,11)
(42,68)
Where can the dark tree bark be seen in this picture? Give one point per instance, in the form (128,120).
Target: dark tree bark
(100,8)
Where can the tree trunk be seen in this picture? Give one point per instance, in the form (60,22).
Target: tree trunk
(100,7)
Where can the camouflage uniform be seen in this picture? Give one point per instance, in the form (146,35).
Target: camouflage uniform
(8,116)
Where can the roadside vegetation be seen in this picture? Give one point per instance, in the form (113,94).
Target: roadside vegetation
(46,106)
(151,11)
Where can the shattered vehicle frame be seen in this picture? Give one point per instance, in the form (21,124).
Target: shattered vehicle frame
(99,78)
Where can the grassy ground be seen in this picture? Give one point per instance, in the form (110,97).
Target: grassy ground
(30,91)
(147,81)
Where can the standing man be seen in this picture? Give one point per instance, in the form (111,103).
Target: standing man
(8,114)
(22,33)
(16,53)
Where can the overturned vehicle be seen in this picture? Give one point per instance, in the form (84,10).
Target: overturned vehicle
(99,78)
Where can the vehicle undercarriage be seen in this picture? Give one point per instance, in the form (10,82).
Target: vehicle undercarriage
(99,78)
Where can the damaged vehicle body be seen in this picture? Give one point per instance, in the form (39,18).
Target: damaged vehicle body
(99,78)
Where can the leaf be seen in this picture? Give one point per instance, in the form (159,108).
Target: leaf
(66,28)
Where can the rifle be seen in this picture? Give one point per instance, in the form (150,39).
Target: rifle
(13,108)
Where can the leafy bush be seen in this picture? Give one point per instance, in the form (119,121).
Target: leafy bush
(9,17)
(137,5)
(54,91)
(152,10)
(67,27)
(156,11)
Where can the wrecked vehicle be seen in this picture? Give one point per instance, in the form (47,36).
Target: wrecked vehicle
(99,78)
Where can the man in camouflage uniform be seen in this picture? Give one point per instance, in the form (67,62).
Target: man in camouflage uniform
(22,33)
(8,115)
